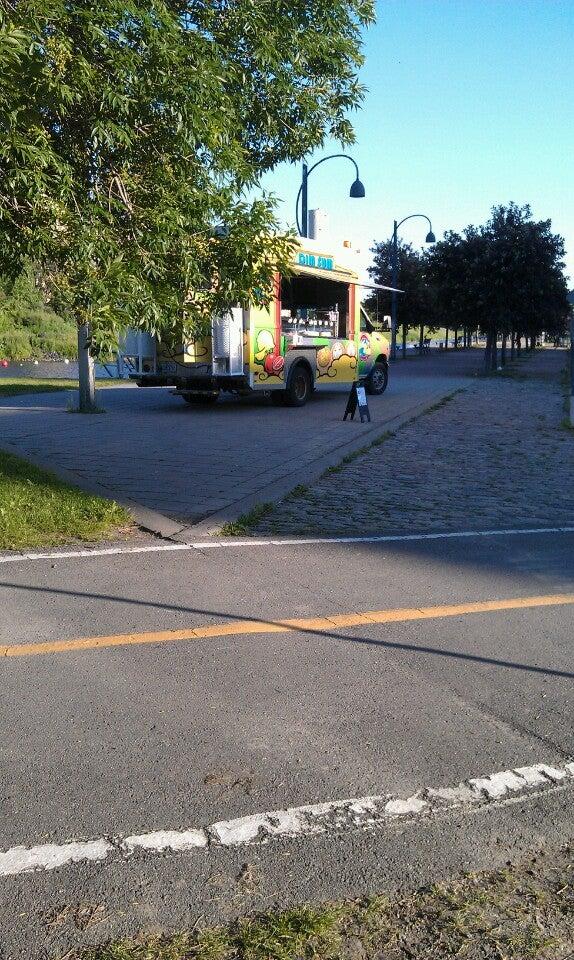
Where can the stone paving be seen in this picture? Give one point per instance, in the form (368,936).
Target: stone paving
(495,455)
(189,463)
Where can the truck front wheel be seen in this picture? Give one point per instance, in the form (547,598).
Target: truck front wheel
(376,382)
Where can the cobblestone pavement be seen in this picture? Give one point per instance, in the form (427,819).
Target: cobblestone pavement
(495,455)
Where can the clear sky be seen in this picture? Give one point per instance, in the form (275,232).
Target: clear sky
(470,103)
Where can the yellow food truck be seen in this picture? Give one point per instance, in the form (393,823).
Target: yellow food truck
(314,335)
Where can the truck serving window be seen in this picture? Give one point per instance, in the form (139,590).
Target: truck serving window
(314,307)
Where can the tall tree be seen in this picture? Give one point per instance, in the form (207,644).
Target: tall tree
(415,304)
(131,129)
(506,277)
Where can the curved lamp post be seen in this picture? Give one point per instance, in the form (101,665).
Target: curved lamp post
(357,190)
(430,238)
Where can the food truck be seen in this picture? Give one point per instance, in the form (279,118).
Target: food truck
(313,335)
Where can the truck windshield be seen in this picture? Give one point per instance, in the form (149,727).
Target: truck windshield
(320,305)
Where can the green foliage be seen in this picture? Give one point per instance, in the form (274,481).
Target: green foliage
(243,525)
(131,129)
(38,510)
(28,326)
(505,275)
(416,303)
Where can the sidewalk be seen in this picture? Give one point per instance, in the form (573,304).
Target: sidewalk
(495,455)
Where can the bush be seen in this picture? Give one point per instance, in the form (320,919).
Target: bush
(29,328)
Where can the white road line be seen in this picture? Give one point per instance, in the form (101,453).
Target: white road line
(335,817)
(221,544)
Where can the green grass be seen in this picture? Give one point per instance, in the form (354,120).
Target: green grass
(38,510)
(524,912)
(13,386)
(242,527)
(440,403)
(413,335)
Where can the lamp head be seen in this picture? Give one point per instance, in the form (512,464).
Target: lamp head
(430,237)
(357,189)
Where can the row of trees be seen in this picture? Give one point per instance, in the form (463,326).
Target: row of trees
(504,279)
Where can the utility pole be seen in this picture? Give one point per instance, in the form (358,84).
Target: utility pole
(430,238)
(394,278)
(357,190)
(304,203)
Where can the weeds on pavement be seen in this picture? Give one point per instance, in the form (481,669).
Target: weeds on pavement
(523,912)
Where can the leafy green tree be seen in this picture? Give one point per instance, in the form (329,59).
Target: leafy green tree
(28,325)
(131,130)
(505,278)
(416,303)
(452,274)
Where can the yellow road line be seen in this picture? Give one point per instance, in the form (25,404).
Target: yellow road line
(313,624)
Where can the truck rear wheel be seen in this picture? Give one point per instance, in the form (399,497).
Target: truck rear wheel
(299,387)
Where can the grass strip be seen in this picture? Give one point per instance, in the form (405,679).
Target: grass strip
(14,386)
(523,912)
(38,510)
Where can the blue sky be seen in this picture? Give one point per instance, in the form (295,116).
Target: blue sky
(470,103)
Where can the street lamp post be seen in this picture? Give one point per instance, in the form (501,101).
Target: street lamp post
(430,238)
(571,302)
(357,191)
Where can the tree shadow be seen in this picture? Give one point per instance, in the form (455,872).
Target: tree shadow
(336,635)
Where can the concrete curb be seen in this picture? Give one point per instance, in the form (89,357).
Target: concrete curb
(165,527)
(149,520)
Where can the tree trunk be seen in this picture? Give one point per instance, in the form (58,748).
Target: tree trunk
(456,338)
(512,344)
(404,341)
(494,353)
(421,338)
(518,350)
(446,338)
(86,373)
(533,343)
(488,352)
(503,350)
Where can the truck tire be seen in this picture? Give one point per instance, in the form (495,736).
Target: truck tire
(377,381)
(299,386)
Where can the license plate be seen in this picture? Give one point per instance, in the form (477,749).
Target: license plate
(168,367)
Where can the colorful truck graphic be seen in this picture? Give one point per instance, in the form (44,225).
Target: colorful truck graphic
(314,335)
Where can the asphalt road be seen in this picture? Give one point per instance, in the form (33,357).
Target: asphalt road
(140,737)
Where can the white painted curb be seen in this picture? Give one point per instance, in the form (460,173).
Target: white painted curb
(334,817)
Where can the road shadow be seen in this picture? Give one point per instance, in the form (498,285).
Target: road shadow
(336,635)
